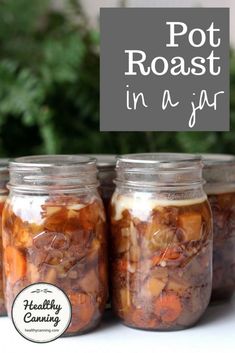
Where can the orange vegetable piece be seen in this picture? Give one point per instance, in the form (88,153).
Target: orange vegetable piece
(1,207)
(89,215)
(167,254)
(156,260)
(168,307)
(139,318)
(14,264)
(82,311)
(171,254)
(191,223)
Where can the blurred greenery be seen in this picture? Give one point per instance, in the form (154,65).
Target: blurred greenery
(49,89)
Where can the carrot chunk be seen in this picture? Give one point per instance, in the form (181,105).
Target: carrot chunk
(168,307)
(14,264)
(139,318)
(166,255)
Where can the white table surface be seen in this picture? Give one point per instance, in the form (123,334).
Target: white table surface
(214,334)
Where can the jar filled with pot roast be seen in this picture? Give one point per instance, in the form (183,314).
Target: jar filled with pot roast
(54,231)
(219,173)
(106,173)
(161,258)
(106,167)
(4,176)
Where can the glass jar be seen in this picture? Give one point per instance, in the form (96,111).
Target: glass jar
(54,231)
(161,241)
(219,173)
(106,173)
(4,176)
(106,167)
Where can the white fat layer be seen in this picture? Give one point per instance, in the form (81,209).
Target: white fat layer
(29,208)
(141,205)
(76,207)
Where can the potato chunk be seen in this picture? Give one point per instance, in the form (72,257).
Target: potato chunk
(191,224)
(154,286)
(90,283)
(177,286)
(125,299)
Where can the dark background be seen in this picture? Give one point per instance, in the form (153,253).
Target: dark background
(49,89)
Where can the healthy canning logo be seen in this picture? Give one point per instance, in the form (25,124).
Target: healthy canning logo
(164,69)
(41,312)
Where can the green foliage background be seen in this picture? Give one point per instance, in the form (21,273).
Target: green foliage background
(49,89)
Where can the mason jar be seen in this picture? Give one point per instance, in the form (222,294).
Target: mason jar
(54,231)
(106,173)
(219,173)
(161,241)
(4,176)
(106,167)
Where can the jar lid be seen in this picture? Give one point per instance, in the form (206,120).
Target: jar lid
(159,169)
(211,159)
(58,172)
(219,173)
(159,160)
(48,161)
